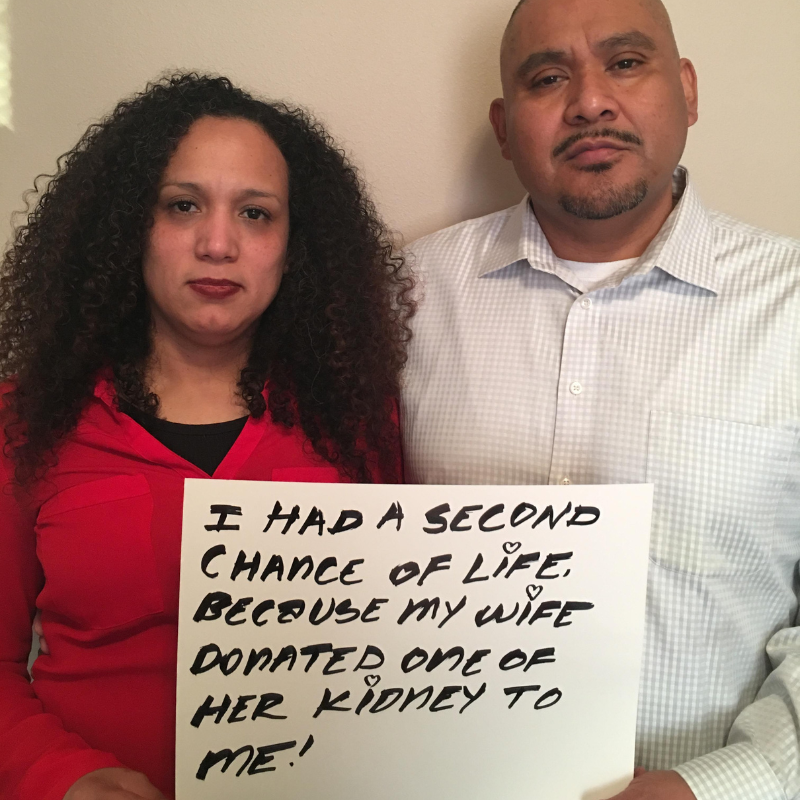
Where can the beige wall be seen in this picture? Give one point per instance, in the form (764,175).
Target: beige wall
(404,85)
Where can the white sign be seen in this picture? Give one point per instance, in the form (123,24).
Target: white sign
(345,641)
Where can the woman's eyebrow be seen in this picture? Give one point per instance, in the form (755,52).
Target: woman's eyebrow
(189,186)
(186,185)
(257,193)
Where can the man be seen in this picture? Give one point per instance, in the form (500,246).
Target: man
(609,329)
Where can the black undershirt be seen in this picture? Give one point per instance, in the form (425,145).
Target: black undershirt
(202,445)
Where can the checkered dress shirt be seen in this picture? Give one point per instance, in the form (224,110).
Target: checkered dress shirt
(685,374)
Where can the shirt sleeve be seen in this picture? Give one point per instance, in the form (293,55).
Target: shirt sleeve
(762,758)
(40,759)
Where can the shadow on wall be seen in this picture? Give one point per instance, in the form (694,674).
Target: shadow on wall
(8,195)
(495,183)
(490,181)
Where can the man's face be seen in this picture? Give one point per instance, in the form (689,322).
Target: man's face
(596,105)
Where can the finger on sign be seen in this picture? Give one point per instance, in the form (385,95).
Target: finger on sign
(113,783)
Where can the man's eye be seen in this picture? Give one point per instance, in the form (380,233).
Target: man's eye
(627,63)
(548,80)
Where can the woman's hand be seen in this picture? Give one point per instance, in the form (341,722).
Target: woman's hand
(113,783)
(37,629)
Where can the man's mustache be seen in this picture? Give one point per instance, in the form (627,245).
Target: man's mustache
(603,133)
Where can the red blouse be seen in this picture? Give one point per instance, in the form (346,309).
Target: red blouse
(96,547)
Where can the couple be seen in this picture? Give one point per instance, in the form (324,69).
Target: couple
(204,289)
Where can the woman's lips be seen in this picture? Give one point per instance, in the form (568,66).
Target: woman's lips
(214,289)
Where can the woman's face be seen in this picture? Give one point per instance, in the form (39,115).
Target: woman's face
(217,248)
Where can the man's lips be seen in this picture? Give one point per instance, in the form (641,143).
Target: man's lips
(593,150)
(215,288)
(602,138)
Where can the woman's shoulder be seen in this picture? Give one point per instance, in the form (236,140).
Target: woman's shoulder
(7,388)
(6,418)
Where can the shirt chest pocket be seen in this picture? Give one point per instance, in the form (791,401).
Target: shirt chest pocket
(93,541)
(717,488)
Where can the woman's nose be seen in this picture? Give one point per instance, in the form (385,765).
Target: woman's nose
(217,238)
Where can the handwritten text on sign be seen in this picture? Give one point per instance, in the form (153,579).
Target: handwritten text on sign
(341,641)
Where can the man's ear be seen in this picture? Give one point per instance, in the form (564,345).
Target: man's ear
(497,116)
(689,82)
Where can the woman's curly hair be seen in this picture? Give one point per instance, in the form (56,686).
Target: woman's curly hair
(330,346)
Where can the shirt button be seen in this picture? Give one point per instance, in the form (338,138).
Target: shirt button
(576,388)
(586,303)
(566,482)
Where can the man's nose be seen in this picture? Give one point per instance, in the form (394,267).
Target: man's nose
(591,99)
(217,237)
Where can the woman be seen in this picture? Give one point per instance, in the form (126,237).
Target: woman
(202,289)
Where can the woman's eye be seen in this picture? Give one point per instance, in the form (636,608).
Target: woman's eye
(256,213)
(184,206)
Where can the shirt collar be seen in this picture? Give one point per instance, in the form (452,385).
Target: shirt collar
(683,248)
(521,239)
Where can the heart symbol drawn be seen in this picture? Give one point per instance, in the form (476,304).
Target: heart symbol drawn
(512,547)
(372,680)
(533,591)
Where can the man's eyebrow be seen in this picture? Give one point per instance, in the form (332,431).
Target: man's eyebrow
(188,186)
(539,59)
(635,39)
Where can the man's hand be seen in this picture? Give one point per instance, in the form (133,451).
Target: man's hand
(656,785)
(113,784)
